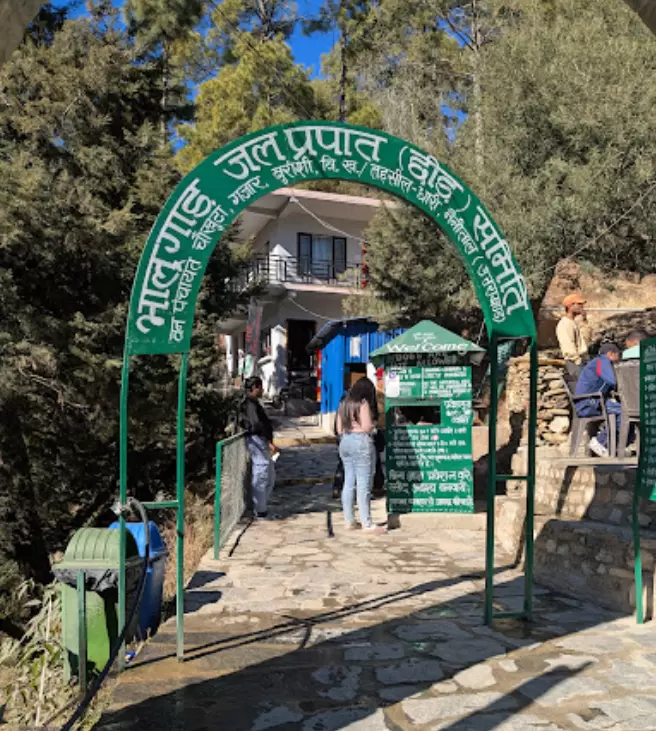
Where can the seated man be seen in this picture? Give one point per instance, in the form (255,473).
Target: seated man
(632,345)
(598,376)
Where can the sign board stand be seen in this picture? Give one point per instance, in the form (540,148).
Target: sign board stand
(645,486)
(430,465)
(429,420)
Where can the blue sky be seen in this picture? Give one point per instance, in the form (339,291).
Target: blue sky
(307,51)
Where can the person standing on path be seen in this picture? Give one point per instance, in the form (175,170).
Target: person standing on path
(355,425)
(259,438)
(571,339)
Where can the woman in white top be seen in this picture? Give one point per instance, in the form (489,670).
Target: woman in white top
(355,425)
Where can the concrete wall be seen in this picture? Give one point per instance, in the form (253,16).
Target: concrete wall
(282,234)
(274,317)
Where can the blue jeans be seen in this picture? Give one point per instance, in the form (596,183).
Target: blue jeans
(359,457)
(591,407)
(263,472)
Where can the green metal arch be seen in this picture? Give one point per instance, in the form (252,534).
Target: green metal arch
(214,193)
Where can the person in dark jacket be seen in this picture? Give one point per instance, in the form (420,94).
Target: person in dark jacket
(259,438)
(598,376)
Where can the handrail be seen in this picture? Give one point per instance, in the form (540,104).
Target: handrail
(274,269)
(220,446)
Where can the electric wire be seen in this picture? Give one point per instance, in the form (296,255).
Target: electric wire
(325,224)
(309,312)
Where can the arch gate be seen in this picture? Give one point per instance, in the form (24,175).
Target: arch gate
(213,194)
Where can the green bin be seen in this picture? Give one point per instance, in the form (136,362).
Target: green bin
(96,552)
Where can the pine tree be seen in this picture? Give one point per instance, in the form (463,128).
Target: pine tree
(568,93)
(258,85)
(559,144)
(83,173)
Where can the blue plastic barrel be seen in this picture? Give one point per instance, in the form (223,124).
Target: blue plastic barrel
(150,610)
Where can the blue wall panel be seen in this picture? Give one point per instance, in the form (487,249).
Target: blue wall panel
(336,354)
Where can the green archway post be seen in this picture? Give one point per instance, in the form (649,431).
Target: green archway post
(210,198)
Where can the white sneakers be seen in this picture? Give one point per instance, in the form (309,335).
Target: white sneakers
(596,447)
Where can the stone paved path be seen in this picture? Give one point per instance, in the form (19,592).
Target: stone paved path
(294,630)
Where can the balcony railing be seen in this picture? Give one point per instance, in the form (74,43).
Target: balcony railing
(292,270)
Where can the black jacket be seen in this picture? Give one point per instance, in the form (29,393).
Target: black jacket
(255,421)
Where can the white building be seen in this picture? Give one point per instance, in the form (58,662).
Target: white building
(308,251)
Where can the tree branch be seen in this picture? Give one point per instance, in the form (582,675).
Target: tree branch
(59,390)
(465,37)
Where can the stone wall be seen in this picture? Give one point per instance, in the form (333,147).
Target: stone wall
(583,529)
(554,410)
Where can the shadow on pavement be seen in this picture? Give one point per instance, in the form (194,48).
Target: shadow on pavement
(313,673)
(508,705)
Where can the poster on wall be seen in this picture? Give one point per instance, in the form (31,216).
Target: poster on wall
(253,329)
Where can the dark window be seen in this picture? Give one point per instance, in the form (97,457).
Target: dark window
(339,255)
(320,256)
(304,254)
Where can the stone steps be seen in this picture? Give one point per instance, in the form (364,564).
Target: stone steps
(442,521)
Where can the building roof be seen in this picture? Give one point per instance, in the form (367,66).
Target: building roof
(328,331)
(325,205)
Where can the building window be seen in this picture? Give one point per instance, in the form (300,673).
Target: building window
(321,257)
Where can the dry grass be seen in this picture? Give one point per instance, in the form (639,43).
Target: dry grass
(199,534)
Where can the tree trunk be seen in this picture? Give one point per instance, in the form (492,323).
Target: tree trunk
(477,42)
(15,16)
(646,9)
(165,95)
(20,524)
(342,81)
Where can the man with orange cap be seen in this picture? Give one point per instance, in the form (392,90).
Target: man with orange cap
(570,338)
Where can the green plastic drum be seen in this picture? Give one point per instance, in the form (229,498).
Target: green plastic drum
(96,551)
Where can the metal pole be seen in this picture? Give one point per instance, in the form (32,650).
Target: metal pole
(529,525)
(637,564)
(217,500)
(491,478)
(123,496)
(180,486)
(82,630)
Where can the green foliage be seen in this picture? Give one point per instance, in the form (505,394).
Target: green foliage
(162,21)
(559,140)
(569,143)
(264,86)
(83,174)
(34,666)
(408,261)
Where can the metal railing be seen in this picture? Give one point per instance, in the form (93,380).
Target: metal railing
(294,270)
(232,487)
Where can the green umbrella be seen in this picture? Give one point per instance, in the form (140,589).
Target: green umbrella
(427,338)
